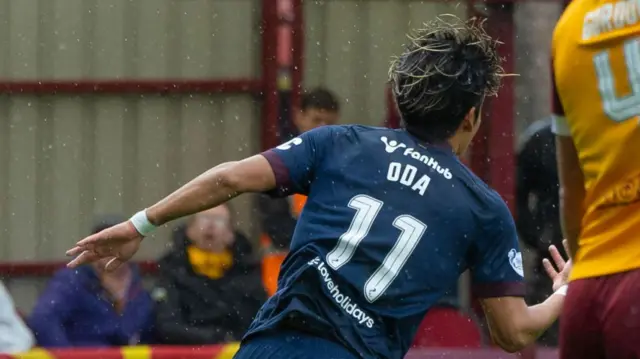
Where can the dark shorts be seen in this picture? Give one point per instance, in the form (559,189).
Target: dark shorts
(291,345)
(601,318)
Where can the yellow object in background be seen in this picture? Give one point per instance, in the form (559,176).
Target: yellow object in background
(209,264)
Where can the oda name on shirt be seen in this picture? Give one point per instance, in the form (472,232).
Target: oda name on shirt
(407,174)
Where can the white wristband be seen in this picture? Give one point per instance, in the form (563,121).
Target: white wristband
(562,290)
(141,223)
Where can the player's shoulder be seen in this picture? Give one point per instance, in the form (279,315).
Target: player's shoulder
(569,26)
(492,215)
(337,138)
(586,23)
(377,134)
(359,130)
(340,131)
(485,202)
(362,133)
(572,17)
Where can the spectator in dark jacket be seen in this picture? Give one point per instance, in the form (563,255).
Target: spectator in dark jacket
(537,202)
(90,307)
(210,287)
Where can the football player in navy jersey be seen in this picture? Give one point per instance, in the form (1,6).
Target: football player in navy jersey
(391,221)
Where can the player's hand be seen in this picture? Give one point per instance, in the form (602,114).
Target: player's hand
(114,245)
(559,273)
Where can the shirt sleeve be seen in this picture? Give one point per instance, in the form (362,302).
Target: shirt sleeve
(496,260)
(296,162)
(559,124)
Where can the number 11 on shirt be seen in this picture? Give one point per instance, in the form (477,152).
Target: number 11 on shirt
(367,209)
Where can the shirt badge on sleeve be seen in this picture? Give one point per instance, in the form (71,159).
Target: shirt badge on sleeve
(515,259)
(287,145)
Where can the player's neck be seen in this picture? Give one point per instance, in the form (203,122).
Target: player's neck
(459,142)
(443,144)
(456,146)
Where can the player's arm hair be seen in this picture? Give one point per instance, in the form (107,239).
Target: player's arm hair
(214,187)
(572,192)
(514,325)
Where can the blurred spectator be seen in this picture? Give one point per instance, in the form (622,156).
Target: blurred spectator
(210,286)
(537,202)
(15,337)
(319,107)
(91,307)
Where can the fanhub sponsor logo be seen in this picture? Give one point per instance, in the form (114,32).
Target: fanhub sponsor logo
(343,301)
(391,146)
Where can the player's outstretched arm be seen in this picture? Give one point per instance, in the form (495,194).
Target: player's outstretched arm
(288,168)
(212,188)
(513,324)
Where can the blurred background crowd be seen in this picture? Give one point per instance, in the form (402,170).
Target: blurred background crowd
(105,106)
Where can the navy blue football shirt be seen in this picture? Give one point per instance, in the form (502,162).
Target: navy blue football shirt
(389,225)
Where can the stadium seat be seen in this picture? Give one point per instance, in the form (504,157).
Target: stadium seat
(447,327)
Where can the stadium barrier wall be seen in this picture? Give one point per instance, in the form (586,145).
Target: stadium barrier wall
(227,352)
